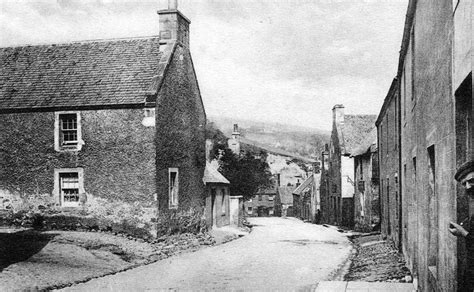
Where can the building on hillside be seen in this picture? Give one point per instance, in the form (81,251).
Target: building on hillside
(427,117)
(306,199)
(284,201)
(347,132)
(234,142)
(77,120)
(217,197)
(366,192)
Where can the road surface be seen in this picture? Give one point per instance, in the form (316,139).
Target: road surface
(279,254)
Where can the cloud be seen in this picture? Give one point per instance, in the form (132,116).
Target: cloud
(282,61)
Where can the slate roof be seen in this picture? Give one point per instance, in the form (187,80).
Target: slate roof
(286,194)
(90,73)
(354,131)
(367,144)
(212,175)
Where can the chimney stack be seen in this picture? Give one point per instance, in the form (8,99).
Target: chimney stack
(338,114)
(174,26)
(236,133)
(172,4)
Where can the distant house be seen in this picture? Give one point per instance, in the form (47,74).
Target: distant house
(288,169)
(263,204)
(119,119)
(347,132)
(306,199)
(366,193)
(284,201)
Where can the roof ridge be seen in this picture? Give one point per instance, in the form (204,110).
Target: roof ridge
(83,41)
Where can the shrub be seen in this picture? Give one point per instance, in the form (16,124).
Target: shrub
(183,221)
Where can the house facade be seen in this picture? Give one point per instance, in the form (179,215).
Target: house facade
(118,119)
(284,201)
(389,181)
(347,132)
(366,188)
(306,199)
(425,132)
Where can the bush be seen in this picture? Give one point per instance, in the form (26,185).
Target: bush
(178,222)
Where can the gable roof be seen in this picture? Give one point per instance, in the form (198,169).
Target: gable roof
(308,182)
(286,196)
(78,74)
(212,175)
(354,130)
(367,144)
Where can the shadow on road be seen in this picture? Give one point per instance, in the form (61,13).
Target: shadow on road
(19,246)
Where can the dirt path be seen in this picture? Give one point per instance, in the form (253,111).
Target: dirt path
(279,254)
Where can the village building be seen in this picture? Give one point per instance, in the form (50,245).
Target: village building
(118,119)
(424,134)
(263,204)
(288,170)
(366,192)
(347,133)
(389,157)
(306,199)
(218,209)
(284,201)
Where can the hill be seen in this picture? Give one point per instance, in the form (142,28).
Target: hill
(303,141)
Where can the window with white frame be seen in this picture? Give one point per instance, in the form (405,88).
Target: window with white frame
(70,186)
(173,183)
(270,211)
(249,210)
(271,197)
(68,131)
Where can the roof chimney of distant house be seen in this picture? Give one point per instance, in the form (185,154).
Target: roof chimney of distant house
(174,26)
(338,114)
(236,133)
(234,143)
(173,4)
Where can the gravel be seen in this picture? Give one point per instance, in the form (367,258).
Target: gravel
(377,260)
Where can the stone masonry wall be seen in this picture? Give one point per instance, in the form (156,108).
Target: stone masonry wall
(429,152)
(118,156)
(180,124)
(390,198)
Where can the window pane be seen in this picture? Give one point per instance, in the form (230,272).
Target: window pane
(69,184)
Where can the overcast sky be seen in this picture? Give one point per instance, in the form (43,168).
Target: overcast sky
(286,61)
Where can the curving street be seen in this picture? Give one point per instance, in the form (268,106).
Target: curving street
(279,254)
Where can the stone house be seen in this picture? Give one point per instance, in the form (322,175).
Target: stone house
(118,119)
(306,199)
(263,204)
(424,133)
(347,132)
(389,157)
(284,201)
(366,188)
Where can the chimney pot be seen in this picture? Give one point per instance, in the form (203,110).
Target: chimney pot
(173,4)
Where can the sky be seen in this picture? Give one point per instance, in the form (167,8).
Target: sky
(285,61)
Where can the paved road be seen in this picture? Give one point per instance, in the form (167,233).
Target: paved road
(279,254)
